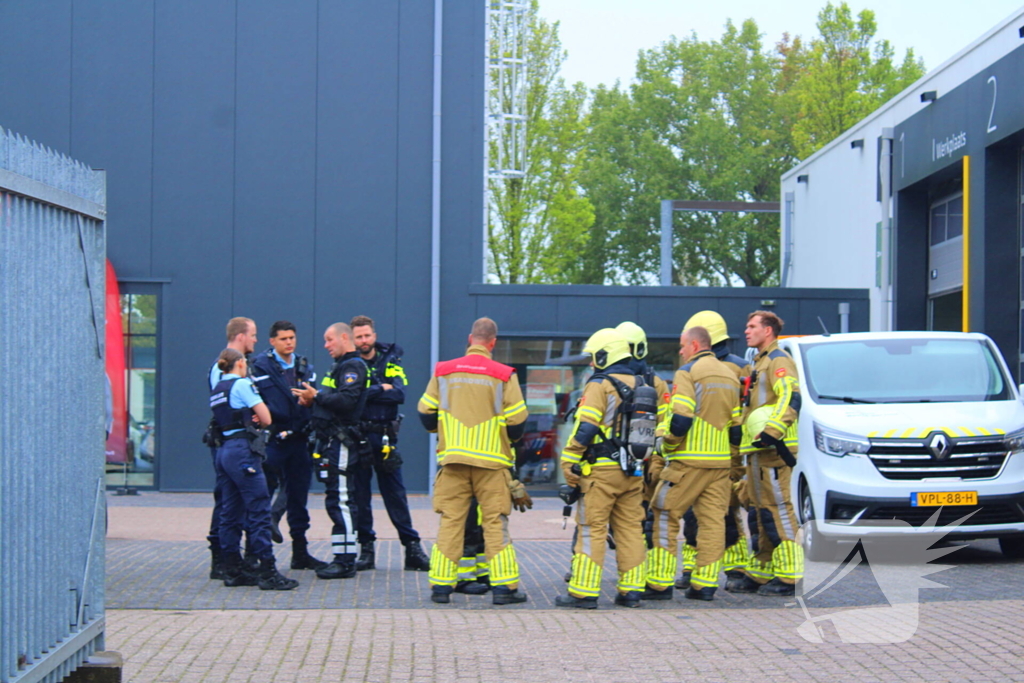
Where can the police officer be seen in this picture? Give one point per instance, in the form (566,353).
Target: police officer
(477,409)
(610,494)
(337,408)
(705,404)
(737,538)
(771,454)
(241,336)
(380,426)
(244,496)
(276,372)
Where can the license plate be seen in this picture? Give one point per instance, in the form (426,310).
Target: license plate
(937,498)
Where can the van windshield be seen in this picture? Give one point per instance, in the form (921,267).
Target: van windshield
(903,371)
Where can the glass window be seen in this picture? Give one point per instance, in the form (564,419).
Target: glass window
(938,224)
(904,370)
(551,373)
(955,218)
(139,328)
(946,220)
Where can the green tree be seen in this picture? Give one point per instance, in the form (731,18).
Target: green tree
(701,123)
(846,77)
(538,224)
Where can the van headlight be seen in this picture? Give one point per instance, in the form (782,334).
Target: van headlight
(1014,441)
(836,443)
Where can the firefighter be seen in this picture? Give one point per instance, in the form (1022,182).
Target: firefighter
(698,454)
(477,409)
(778,562)
(737,538)
(611,485)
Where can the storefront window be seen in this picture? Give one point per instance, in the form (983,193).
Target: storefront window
(135,466)
(551,373)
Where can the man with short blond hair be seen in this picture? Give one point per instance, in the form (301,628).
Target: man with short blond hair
(477,409)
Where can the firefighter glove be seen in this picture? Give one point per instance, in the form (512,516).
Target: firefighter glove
(520,498)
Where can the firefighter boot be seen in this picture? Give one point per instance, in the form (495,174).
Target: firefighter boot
(442,595)
(743,584)
(271,580)
(415,558)
(651,594)
(367,557)
(472,587)
(628,599)
(777,587)
(707,593)
(503,595)
(573,601)
(301,559)
(683,582)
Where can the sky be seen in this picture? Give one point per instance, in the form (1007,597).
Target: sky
(602,37)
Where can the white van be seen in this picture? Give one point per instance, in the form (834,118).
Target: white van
(895,425)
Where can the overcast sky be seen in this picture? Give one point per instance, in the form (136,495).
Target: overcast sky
(603,36)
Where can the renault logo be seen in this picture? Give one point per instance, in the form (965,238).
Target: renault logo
(939,446)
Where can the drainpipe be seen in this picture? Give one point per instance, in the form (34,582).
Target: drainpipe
(885,174)
(435,221)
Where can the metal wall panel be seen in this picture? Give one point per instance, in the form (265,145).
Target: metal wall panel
(52,421)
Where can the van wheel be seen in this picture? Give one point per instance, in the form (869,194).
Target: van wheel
(1012,547)
(817,548)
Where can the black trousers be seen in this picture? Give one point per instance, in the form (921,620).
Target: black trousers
(340,501)
(290,467)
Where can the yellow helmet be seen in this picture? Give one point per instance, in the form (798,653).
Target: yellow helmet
(608,346)
(636,337)
(757,421)
(712,322)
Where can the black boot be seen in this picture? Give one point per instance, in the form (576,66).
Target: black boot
(683,582)
(301,559)
(236,572)
(442,595)
(275,529)
(651,594)
(629,599)
(777,587)
(743,584)
(341,568)
(366,557)
(415,558)
(271,580)
(472,587)
(216,565)
(707,593)
(503,595)
(573,601)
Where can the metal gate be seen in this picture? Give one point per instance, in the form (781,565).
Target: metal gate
(52,411)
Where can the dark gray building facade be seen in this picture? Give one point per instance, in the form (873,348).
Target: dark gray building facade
(274,160)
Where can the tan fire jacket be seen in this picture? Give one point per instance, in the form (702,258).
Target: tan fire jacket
(705,403)
(775,382)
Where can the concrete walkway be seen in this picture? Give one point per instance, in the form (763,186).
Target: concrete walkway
(171,623)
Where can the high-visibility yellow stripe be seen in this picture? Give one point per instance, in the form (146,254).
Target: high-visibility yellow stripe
(430,400)
(515,409)
(443,571)
(484,441)
(586,577)
(965,305)
(328,382)
(633,580)
(680,400)
(392,370)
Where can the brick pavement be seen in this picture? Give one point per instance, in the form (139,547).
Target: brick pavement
(173,624)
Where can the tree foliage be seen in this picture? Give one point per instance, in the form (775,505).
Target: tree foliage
(846,78)
(538,224)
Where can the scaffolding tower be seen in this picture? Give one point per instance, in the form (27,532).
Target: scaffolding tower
(507,35)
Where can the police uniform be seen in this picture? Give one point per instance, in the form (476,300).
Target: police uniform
(779,557)
(476,407)
(380,419)
(698,454)
(609,496)
(337,409)
(243,486)
(288,459)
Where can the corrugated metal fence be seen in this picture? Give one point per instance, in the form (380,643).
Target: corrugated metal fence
(52,412)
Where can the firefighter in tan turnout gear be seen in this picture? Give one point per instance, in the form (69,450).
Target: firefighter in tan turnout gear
(610,477)
(737,534)
(477,409)
(770,445)
(698,455)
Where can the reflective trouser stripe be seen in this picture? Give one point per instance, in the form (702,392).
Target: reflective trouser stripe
(586,577)
(707,575)
(689,557)
(661,567)
(633,580)
(736,556)
(788,562)
(443,572)
(467,568)
(504,568)
(759,571)
(482,568)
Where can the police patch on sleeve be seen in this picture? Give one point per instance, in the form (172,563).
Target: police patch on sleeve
(350,377)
